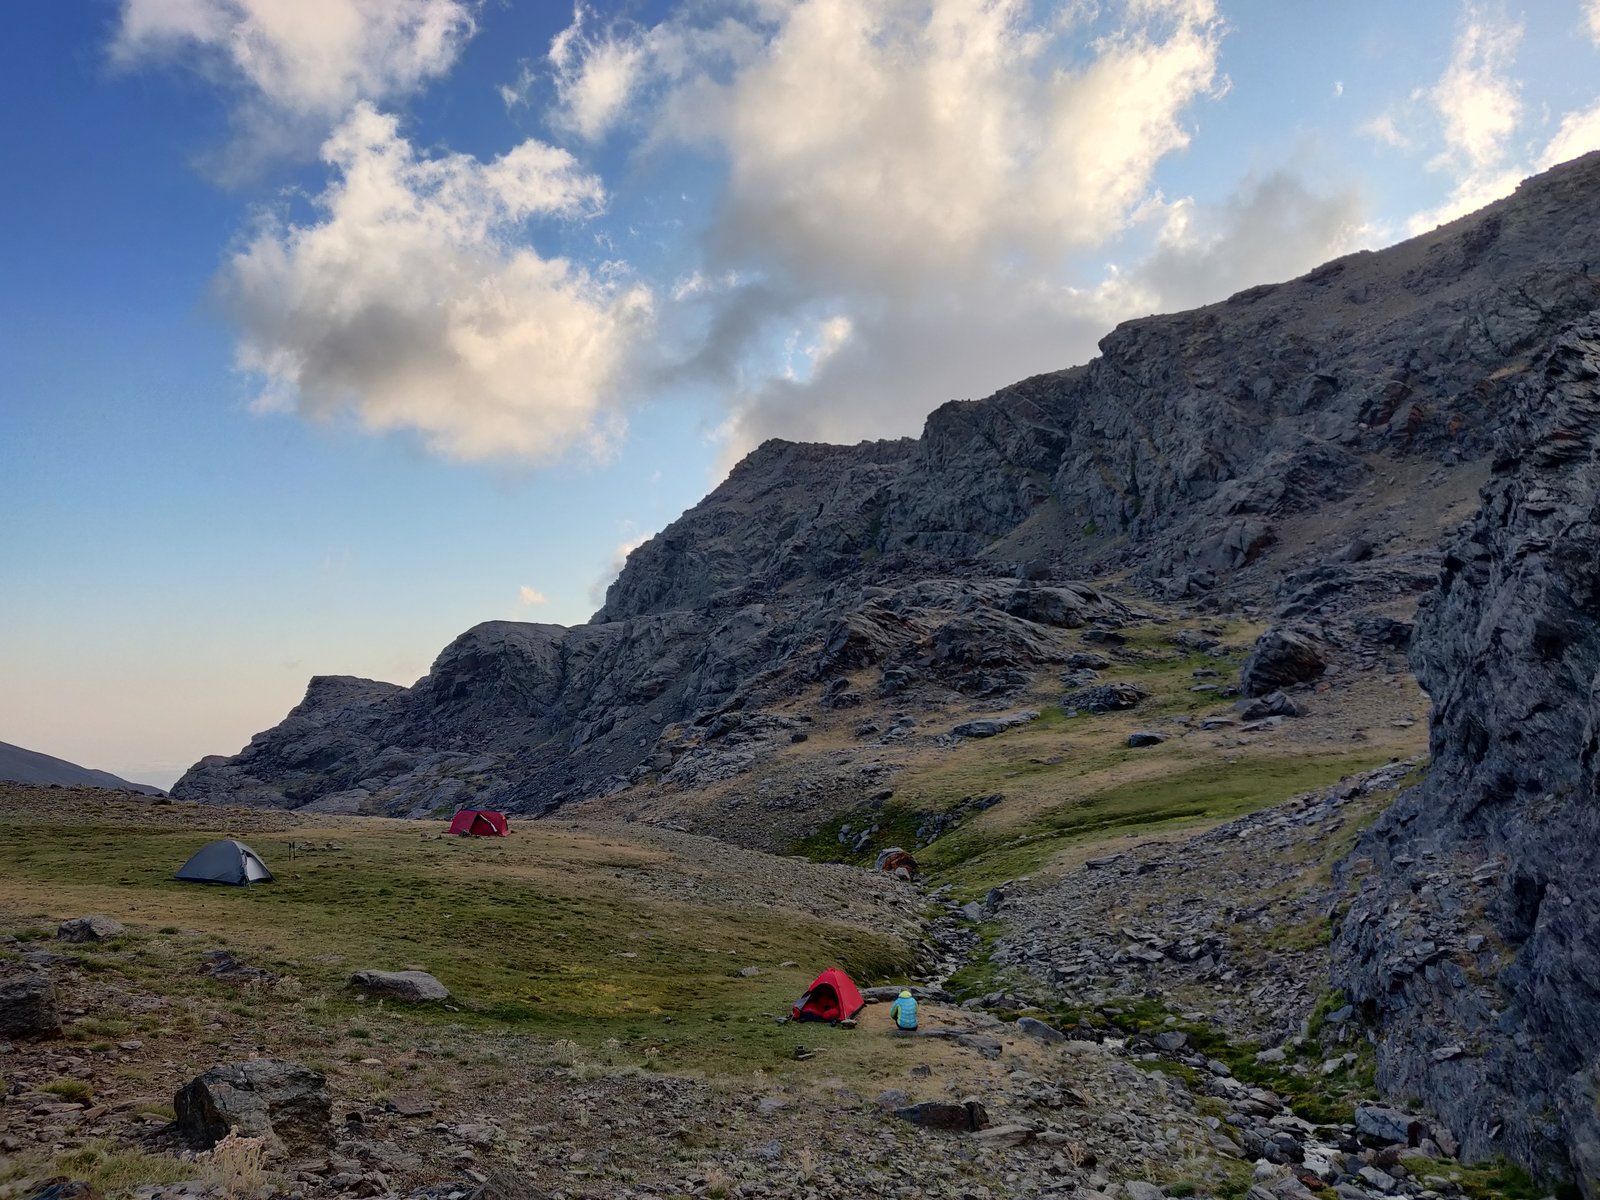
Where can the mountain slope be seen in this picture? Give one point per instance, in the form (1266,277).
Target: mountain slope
(29,766)
(1217,457)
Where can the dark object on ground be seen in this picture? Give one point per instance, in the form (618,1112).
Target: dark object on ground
(283,1102)
(1282,658)
(96,927)
(28,1007)
(966,1117)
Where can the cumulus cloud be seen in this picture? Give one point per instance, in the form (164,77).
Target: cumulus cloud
(413,303)
(907,184)
(1578,133)
(298,65)
(531,597)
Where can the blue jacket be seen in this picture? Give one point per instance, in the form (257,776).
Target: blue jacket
(904,1012)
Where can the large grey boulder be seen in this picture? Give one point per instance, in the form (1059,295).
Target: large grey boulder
(28,1006)
(989,726)
(408,987)
(94,928)
(1282,658)
(283,1102)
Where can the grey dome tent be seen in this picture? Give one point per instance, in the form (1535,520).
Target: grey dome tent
(226,861)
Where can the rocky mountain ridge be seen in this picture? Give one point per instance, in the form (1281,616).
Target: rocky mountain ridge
(1213,456)
(1299,450)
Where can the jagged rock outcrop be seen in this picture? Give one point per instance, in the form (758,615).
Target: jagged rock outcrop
(1183,458)
(1473,941)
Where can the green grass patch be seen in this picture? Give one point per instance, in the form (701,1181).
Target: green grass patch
(1491,1180)
(1195,791)
(543,934)
(75,1090)
(113,1171)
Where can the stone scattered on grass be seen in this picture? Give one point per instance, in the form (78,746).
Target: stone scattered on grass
(408,987)
(965,1117)
(28,1006)
(96,927)
(282,1102)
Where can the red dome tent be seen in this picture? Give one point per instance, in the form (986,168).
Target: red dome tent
(479,822)
(832,996)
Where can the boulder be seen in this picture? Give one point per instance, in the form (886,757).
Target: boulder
(1390,1124)
(1282,657)
(966,1117)
(1145,737)
(1103,698)
(408,987)
(28,1006)
(1039,1031)
(989,726)
(283,1102)
(1273,704)
(96,927)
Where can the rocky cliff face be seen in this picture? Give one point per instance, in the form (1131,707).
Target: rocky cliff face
(1474,939)
(1216,456)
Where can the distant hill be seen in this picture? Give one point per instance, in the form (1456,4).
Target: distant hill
(29,766)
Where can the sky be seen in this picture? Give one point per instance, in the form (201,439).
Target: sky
(329,328)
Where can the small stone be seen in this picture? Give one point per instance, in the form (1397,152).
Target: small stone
(1145,737)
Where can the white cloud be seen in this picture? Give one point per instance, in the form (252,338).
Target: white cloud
(595,77)
(1487,145)
(907,185)
(1382,128)
(304,56)
(1476,99)
(633,538)
(531,597)
(299,65)
(1592,15)
(1479,107)
(889,146)
(411,304)
(1578,134)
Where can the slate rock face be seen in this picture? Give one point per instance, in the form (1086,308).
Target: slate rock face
(1178,458)
(1474,936)
(283,1102)
(28,1007)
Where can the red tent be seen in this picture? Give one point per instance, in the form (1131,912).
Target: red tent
(479,822)
(832,996)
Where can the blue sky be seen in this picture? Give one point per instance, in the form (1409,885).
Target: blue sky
(269,410)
